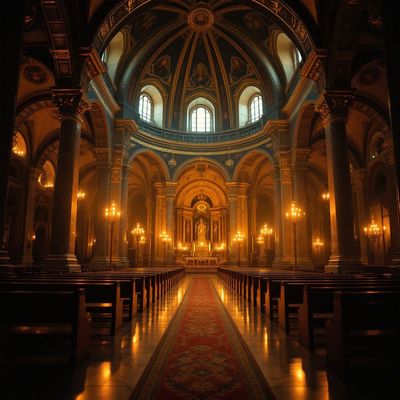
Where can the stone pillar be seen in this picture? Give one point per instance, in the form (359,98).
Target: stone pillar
(116,197)
(119,187)
(179,225)
(243,222)
(33,187)
(359,177)
(232,188)
(71,105)
(160,221)
(149,226)
(253,229)
(300,196)
(100,259)
(283,228)
(11,28)
(333,107)
(123,223)
(170,226)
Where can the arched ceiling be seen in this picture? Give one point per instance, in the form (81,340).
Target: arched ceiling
(208,49)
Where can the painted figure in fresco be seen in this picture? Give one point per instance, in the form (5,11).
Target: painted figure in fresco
(238,68)
(162,67)
(200,75)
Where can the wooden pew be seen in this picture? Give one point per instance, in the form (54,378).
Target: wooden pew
(317,308)
(101,298)
(365,332)
(27,316)
(291,296)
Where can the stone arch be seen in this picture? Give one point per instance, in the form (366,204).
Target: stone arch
(190,190)
(156,160)
(100,125)
(241,172)
(224,173)
(304,125)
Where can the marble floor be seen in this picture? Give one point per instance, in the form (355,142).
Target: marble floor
(115,364)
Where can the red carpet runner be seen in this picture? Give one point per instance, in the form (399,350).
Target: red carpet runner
(202,355)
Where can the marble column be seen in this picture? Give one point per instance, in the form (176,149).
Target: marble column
(149,227)
(254,232)
(243,222)
(333,106)
(300,196)
(232,188)
(284,250)
(359,177)
(123,223)
(71,105)
(100,259)
(33,187)
(11,25)
(117,196)
(170,199)
(160,223)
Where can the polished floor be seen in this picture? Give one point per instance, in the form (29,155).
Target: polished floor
(116,364)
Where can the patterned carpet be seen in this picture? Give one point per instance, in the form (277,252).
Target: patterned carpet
(202,355)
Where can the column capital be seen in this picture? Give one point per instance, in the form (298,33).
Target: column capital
(102,155)
(92,64)
(334,105)
(170,189)
(314,67)
(123,130)
(160,188)
(232,189)
(71,103)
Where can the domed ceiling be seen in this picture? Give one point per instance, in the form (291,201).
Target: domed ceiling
(211,50)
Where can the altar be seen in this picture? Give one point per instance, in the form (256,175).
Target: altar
(201,261)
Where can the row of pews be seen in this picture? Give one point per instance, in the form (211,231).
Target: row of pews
(355,317)
(49,317)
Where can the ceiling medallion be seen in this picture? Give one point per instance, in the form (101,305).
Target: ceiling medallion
(229,162)
(200,19)
(172,162)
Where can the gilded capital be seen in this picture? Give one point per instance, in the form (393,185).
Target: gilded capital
(334,105)
(314,67)
(70,102)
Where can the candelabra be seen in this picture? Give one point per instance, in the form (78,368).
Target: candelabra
(374,232)
(238,239)
(112,215)
(137,232)
(266,233)
(294,215)
(165,239)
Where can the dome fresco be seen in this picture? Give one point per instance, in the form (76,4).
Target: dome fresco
(211,52)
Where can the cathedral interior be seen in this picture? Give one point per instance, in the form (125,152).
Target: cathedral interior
(217,139)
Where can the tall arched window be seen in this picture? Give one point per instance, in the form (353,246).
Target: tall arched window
(145,107)
(200,119)
(255,108)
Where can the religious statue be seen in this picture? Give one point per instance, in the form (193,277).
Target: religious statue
(201,230)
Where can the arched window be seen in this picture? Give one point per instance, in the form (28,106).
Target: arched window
(200,116)
(151,105)
(250,105)
(200,119)
(255,108)
(145,107)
